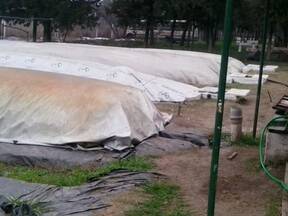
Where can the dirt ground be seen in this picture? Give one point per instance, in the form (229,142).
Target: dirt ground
(200,114)
(241,191)
(242,187)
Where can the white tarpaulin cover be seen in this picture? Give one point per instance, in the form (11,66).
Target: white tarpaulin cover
(54,109)
(45,57)
(196,68)
(163,75)
(256,68)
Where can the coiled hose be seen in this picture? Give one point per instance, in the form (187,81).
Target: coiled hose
(262,152)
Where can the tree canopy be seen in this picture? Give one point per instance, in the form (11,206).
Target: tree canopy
(65,13)
(205,15)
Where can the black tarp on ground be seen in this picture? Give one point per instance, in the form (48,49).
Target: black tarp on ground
(93,197)
(58,158)
(77,201)
(173,139)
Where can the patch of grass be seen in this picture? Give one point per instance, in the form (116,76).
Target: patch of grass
(247,140)
(252,165)
(273,208)
(72,177)
(34,208)
(163,199)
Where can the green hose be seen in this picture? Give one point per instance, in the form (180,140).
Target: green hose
(261,153)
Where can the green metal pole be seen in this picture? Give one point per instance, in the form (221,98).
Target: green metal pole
(262,61)
(228,28)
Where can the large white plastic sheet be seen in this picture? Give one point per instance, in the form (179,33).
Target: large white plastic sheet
(163,75)
(46,57)
(195,68)
(53,109)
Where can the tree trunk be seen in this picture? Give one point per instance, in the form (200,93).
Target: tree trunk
(147,31)
(65,35)
(152,39)
(183,38)
(150,24)
(1,27)
(215,36)
(35,24)
(210,39)
(124,32)
(173,26)
(285,30)
(47,31)
(193,35)
(269,46)
(189,35)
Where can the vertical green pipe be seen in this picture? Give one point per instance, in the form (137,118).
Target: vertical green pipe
(262,61)
(220,107)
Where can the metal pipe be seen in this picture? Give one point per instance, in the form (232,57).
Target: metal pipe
(228,27)
(262,61)
(236,118)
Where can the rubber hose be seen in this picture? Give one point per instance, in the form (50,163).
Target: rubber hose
(262,152)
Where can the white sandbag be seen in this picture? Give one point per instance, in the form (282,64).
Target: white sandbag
(53,109)
(196,68)
(253,68)
(231,94)
(248,79)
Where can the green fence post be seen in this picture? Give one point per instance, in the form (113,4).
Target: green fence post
(220,107)
(262,61)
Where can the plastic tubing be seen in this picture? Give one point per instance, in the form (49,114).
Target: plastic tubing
(261,153)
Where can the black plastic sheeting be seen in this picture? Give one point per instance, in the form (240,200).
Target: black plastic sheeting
(77,201)
(173,139)
(190,137)
(95,196)
(55,158)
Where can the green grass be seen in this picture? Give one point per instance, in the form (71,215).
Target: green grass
(35,208)
(247,140)
(163,200)
(72,177)
(273,208)
(252,166)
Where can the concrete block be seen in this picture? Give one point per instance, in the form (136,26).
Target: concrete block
(276,148)
(285,195)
